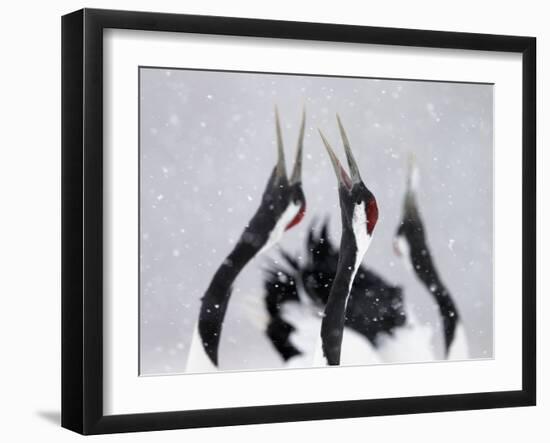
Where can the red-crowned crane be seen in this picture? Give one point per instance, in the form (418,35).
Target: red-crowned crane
(359,214)
(282,206)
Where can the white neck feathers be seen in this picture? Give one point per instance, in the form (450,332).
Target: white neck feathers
(276,234)
(362,238)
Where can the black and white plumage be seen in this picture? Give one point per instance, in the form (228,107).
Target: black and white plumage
(359,214)
(334,293)
(374,308)
(282,206)
(411,243)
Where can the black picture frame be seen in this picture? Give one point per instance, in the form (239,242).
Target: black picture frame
(82,218)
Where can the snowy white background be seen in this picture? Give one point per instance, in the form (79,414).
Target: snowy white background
(207,148)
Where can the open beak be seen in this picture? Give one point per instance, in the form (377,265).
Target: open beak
(343,178)
(280,168)
(297,171)
(341,174)
(353,168)
(412,174)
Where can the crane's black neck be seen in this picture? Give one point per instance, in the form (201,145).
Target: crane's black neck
(423,265)
(427,273)
(275,199)
(216,298)
(374,306)
(332,327)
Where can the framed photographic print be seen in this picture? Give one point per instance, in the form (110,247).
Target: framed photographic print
(273,221)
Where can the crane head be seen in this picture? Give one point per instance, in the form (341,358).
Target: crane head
(357,203)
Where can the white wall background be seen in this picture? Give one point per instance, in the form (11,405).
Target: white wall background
(30,222)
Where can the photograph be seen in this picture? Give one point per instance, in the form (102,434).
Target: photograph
(267,221)
(292,220)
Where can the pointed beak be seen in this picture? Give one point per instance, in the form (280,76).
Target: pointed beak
(280,168)
(353,168)
(412,174)
(341,174)
(297,171)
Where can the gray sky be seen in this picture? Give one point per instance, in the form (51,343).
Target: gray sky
(208,147)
